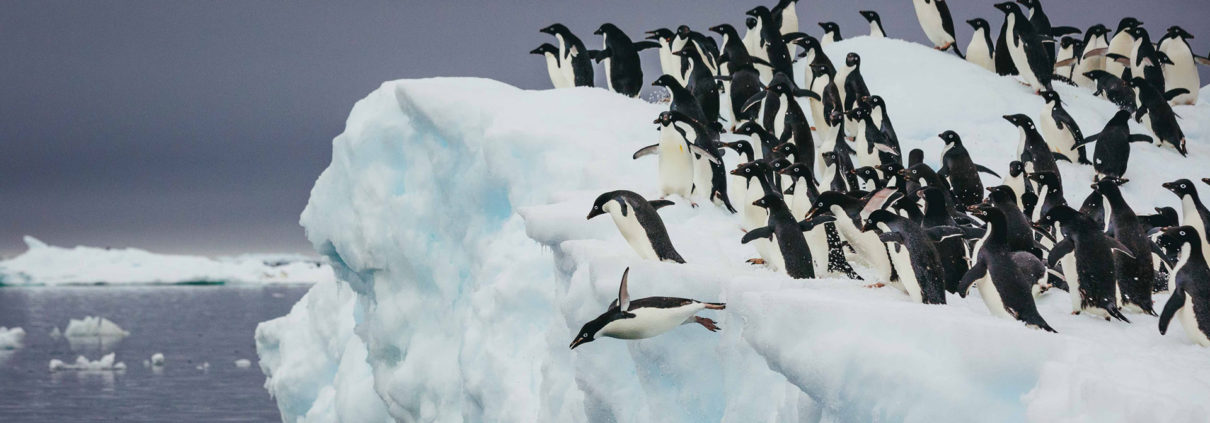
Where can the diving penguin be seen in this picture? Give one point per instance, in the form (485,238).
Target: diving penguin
(639,223)
(645,317)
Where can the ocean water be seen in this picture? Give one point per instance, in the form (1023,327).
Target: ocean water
(190,325)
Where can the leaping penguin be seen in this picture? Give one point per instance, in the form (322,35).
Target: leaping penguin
(645,317)
(639,223)
(934,17)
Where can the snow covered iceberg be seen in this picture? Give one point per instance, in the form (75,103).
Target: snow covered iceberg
(43,264)
(10,338)
(453,213)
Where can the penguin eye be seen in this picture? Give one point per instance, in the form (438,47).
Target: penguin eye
(1182,185)
(747,170)
(1182,233)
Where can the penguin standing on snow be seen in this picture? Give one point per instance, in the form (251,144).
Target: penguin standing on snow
(1193,212)
(1069,50)
(1113,146)
(1032,148)
(1005,277)
(1018,180)
(1060,130)
(1026,48)
(1190,301)
(1183,71)
(742,79)
(572,50)
(980,49)
(1092,57)
(1121,44)
(1095,283)
(623,70)
(676,154)
(639,223)
(913,254)
(787,234)
(875,21)
(954,257)
(847,211)
(831,33)
(645,317)
(1114,89)
(1039,20)
(938,25)
(1155,112)
(554,66)
(1136,276)
(961,171)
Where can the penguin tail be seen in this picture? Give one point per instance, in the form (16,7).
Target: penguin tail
(1117,313)
(715,306)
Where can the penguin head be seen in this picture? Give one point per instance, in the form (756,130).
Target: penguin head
(748,128)
(1163,58)
(1002,194)
(866,173)
(876,217)
(1058,214)
(588,333)
(806,41)
(1127,23)
(759,12)
(987,213)
(1008,7)
(1016,168)
(1171,238)
(1178,32)
(779,164)
(824,202)
(829,157)
(1167,215)
(598,206)
(683,31)
(1181,187)
(1109,185)
(666,81)
(1206,181)
(798,170)
(724,29)
(916,172)
(1096,74)
(820,69)
(750,169)
(767,201)
(544,49)
(1047,178)
(1050,97)
(915,156)
(750,22)
(607,29)
(950,137)
(875,101)
(555,28)
(660,34)
(1137,32)
(1097,30)
(1070,42)
(859,112)
(978,23)
(741,147)
(890,168)
(1137,82)
(664,119)
(1020,121)
(870,16)
(852,60)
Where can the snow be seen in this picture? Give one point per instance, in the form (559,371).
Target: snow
(10,338)
(453,215)
(44,264)
(93,326)
(105,363)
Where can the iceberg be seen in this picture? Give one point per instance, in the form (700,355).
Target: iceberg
(105,363)
(453,216)
(10,338)
(93,326)
(44,264)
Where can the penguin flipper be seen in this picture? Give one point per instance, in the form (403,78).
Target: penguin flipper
(1059,31)
(1059,156)
(941,233)
(658,204)
(709,155)
(895,237)
(1096,52)
(802,92)
(1087,140)
(1065,62)
(623,294)
(643,45)
(1171,94)
(1140,138)
(758,233)
(1117,247)
(1118,58)
(811,223)
(984,169)
(1175,302)
(1204,61)
(754,100)
(1163,255)
(647,151)
(975,273)
(1061,249)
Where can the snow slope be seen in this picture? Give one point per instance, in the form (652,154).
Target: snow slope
(43,264)
(453,213)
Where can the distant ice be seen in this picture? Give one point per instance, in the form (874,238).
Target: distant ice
(157,359)
(10,338)
(94,326)
(43,264)
(243,363)
(83,364)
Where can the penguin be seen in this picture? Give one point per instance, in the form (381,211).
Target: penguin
(925,176)
(676,154)
(709,173)
(954,257)
(814,55)
(572,50)
(1163,218)
(1049,193)
(826,240)
(829,101)
(1114,89)
(1092,57)
(761,140)
(701,83)
(787,233)
(878,114)
(639,223)
(1005,278)
(1095,282)
(875,21)
(1135,276)
(1143,57)
(1020,235)
(704,47)
(554,66)
(1018,180)
(961,172)
(1026,48)
(854,84)
(831,34)
(1121,44)
(682,99)
(1069,49)
(1059,130)
(1193,211)
(670,64)
(752,42)
(1032,149)
(785,13)
(1183,72)
(1004,60)
(914,255)
(1155,112)
(755,216)
(1113,146)
(934,17)
(1039,20)
(980,49)
(871,144)
(1190,300)
(771,43)
(623,70)
(742,79)
(645,317)
(847,211)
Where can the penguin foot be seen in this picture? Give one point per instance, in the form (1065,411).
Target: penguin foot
(850,138)
(755,261)
(876,285)
(693,205)
(1077,313)
(813,129)
(710,325)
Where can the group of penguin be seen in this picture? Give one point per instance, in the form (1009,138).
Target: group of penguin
(826,191)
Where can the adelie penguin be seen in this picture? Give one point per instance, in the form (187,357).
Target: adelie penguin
(572,50)
(847,211)
(1121,44)
(771,43)
(831,33)
(1026,48)
(645,317)
(961,171)
(1190,300)
(1113,89)
(1039,20)
(875,21)
(786,232)
(1005,278)
(554,65)
(785,13)
(1183,71)
(1155,112)
(639,223)
(701,82)
(981,49)
(682,100)
(1092,57)
(934,17)
(1094,290)
(1113,146)
(1032,148)
(1193,211)
(670,64)
(1069,50)
(1060,130)
(854,84)
(914,254)
(623,71)
(1018,180)
(676,154)
(1135,275)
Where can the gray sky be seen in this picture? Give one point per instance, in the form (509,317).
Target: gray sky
(199,127)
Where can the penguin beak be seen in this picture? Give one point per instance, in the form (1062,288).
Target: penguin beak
(735,171)
(577,342)
(594,213)
(651,35)
(1206,181)
(1168,185)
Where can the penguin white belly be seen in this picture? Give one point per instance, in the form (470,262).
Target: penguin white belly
(1189,322)
(1064,54)
(1059,140)
(649,322)
(930,21)
(978,53)
(1017,184)
(1021,61)
(864,156)
(868,246)
(991,297)
(902,260)
(775,260)
(676,169)
(779,120)
(1136,68)
(817,242)
(556,74)
(1121,44)
(632,231)
(876,31)
(789,19)
(1182,73)
(1190,216)
(702,177)
(799,202)
(1073,281)
(670,64)
(608,72)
